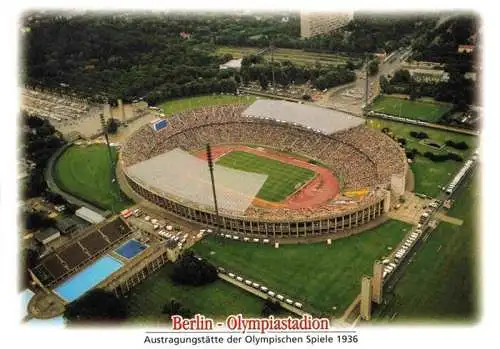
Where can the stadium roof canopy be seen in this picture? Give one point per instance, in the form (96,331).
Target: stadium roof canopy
(185,177)
(323,120)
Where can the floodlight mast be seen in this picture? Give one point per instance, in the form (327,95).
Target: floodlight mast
(211,170)
(111,162)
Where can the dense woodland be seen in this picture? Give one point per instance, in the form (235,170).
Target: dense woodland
(149,55)
(40,141)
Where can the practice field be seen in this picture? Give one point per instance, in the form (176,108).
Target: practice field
(179,105)
(298,57)
(84,171)
(441,284)
(284,179)
(430,176)
(421,110)
(219,299)
(319,276)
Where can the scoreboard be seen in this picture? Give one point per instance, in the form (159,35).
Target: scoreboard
(159,124)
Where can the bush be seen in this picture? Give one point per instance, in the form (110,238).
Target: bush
(457,145)
(402,140)
(419,135)
(385,130)
(306,97)
(176,308)
(188,270)
(443,157)
(270,308)
(96,305)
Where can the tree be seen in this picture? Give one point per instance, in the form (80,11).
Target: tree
(384,84)
(263,81)
(112,125)
(96,305)
(188,270)
(37,220)
(373,67)
(176,308)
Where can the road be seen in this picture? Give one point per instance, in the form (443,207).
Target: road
(353,99)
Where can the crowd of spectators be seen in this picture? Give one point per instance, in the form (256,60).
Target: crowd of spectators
(361,157)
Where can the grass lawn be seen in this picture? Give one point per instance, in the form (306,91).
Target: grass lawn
(317,275)
(219,299)
(421,110)
(284,179)
(84,172)
(440,283)
(429,176)
(179,105)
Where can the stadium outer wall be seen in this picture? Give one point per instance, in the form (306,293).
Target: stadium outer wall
(271,229)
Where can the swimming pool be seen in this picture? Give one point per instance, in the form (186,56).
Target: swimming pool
(88,278)
(130,249)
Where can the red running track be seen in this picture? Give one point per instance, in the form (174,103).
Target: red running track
(322,188)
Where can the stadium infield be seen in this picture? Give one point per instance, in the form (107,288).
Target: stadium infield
(84,171)
(320,276)
(293,182)
(430,111)
(441,283)
(283,179)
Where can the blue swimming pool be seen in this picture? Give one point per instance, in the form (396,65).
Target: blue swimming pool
(88,278)
(130,249)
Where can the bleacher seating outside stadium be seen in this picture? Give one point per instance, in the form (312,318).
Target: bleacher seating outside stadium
(69,258)
(53,107)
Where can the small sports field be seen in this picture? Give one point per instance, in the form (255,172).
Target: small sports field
(284,179)
(429,111)
(318,275)
(84,171)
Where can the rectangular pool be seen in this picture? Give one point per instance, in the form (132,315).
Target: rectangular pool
(130,249)
(86,279)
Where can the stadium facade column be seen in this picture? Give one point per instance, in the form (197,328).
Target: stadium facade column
(366,298)
(377,283)
(387,201)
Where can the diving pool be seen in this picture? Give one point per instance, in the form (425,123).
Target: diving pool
(130,249)
(86,279)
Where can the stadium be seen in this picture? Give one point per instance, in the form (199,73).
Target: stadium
(282,170)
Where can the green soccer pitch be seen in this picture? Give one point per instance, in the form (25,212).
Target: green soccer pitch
(429,111)
(84,172)
(283,180)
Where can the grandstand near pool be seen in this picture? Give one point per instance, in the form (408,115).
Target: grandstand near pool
(356,159)
(81,264)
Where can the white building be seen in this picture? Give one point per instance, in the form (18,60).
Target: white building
(315,23)
(89,215)
(232,64)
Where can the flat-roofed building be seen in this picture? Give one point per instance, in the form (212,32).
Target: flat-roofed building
(315,23)
(234,64)
(89,215)
(429,75)
(47,235)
